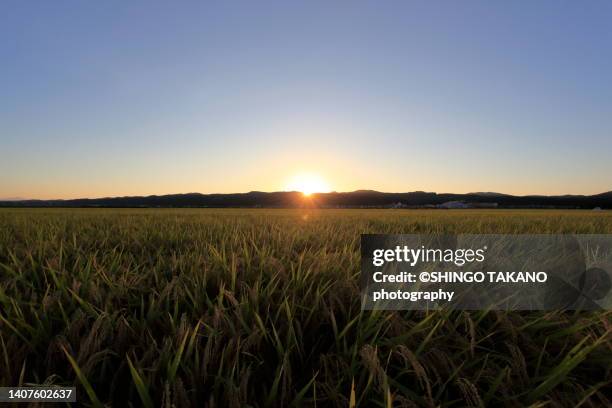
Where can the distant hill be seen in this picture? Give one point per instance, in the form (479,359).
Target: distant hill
(489,194)
(359,198)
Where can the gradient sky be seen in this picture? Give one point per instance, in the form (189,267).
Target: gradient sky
(105,98)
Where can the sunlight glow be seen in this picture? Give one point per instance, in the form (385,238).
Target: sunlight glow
(308,183)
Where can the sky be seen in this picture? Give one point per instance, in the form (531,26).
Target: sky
(115,98)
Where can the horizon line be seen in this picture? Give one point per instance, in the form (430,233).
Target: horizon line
(481,193)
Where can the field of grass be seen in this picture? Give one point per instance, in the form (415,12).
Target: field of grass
(238,308)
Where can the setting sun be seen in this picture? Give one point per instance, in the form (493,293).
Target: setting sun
(308,183)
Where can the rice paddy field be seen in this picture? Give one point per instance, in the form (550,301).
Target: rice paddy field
(261,308)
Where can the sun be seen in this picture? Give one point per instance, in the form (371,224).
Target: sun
(308,183)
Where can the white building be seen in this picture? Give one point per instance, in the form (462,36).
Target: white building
(453,205)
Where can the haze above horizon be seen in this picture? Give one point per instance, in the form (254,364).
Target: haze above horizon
(305,194)
(107,99)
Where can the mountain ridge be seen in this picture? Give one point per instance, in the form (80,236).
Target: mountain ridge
(358,198)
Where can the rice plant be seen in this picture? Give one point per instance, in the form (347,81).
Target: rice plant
(261,308)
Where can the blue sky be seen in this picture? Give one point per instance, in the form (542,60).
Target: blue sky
(129,98)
